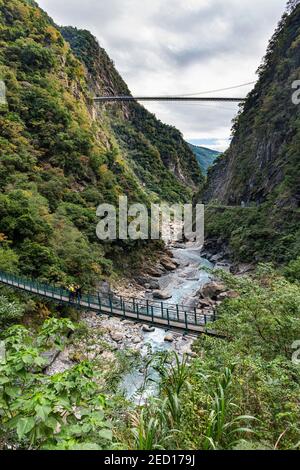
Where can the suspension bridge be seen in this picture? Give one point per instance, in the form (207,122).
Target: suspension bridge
(110,99)
(181,98)
(160,314)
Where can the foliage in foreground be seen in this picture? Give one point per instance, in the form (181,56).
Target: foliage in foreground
(240,392)
(37,411)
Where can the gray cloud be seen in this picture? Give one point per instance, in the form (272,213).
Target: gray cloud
(176,46)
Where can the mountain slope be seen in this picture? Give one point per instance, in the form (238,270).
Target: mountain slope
(205,157)
(60,156)
(261,169)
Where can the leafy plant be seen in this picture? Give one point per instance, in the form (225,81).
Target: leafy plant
(222,429)
(63,411)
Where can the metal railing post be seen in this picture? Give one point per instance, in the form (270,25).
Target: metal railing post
(110,304)
(177,311)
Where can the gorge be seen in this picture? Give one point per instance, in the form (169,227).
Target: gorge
(76,380)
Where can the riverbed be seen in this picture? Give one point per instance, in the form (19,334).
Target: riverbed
(183,284)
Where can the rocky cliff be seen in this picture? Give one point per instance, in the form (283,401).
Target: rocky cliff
(253,190)
(263,161)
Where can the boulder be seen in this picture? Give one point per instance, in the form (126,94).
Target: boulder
(212,290)
(155,272)
(168,264)
(161,295)
(169,338)
(154,285)
(136,339)
(148,328)
(117,337)
(141,280)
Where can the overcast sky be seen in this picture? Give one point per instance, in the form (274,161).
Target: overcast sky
(163,47)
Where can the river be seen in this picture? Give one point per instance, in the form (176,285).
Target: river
(182,284)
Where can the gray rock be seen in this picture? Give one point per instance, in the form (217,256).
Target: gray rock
(148,329)
(136,339)
(155,272)
(168,264)
(118,337)
(162,295)
(212,289)
(154,285)
(169,338)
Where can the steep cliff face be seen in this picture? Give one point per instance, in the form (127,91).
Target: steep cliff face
(263,161)
(254,188)
(161,159)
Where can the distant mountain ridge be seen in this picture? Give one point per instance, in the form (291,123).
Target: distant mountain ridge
(205,157)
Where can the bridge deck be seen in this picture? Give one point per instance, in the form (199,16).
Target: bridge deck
(160,314)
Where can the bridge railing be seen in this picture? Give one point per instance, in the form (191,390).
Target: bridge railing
(112,304)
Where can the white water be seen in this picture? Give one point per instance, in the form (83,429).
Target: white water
(183,284)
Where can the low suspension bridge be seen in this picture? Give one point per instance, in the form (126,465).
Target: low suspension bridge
(160,314)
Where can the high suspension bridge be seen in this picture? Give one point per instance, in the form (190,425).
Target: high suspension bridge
(190,97)
(124,98)
(160,314)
